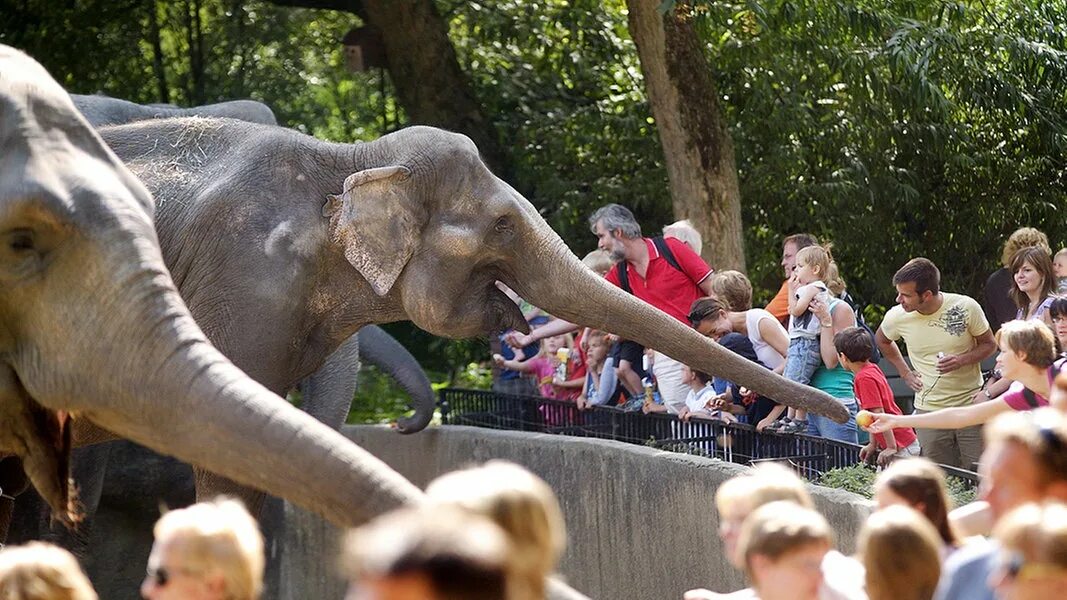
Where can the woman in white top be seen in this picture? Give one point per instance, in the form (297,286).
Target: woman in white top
(711,317)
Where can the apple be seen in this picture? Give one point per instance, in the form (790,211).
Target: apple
(864,418)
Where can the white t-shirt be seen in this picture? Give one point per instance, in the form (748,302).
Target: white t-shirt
(806,325)
(764,351)
(697,400)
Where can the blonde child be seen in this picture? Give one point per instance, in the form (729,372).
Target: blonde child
(601,385)
(1059,268)
(783,545)
(702,402)
(812,277)
(545,366)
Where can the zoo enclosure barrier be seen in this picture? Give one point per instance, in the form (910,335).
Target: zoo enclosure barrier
(739,443)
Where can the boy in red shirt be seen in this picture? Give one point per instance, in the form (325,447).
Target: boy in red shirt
(873,393)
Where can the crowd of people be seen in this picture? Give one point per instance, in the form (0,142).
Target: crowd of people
(812,334)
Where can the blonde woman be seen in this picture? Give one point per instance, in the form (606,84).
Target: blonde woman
(521,504)
(901,553)
(40,571)
(208,551)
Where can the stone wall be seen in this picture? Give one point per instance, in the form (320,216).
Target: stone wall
(641,522)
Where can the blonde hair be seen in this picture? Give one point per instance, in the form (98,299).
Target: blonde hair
(733,288)
(522,504)
(1032,338)
(685,232)
(1042,432)
(1038,532)
(776,529)
(598,261)
(1024,237)
(921,482)
(765,483)
(901,553)
(217,537)
(1061,252)
(821,259)
(39,571)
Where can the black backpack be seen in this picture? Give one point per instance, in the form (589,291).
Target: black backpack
(861,322)
(1030,396)
(664,251)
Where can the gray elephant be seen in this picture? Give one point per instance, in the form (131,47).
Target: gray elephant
(421,230)
(96,342)
(105,110)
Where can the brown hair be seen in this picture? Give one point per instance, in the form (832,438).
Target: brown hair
(800,240)
(901,555)
(706,308)
(854,343)
(1042,263)
(1030,338)
(1024,237)
(733,288)
(922,484)
(778,528)
(922,272)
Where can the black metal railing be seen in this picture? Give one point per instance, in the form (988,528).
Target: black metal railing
(733,442)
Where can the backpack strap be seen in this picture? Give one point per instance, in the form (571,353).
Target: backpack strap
(665,252)
(624,277)
(1030,396)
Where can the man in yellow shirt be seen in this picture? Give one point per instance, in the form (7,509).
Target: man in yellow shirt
(947,336)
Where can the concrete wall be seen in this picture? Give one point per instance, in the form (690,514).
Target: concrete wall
(641,522)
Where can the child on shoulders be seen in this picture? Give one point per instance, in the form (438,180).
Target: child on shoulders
(874,395)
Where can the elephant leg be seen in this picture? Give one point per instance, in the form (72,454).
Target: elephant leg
(328,392)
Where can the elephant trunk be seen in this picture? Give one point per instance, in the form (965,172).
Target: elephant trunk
(207,412)
(383,351)
(568,289)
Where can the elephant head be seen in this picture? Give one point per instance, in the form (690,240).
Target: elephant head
(92,330)
(423,220)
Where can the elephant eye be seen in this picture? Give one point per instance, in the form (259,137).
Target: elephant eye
(20,240)
(503,225)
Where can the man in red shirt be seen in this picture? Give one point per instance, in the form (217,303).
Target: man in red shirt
(652,277)
(874,394)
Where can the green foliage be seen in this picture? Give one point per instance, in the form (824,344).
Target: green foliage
(859,479)
(378,399)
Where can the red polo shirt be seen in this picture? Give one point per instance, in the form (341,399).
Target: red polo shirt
(663,286)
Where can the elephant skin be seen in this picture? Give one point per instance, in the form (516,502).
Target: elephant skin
(93,331)
(104,110)
(414,226)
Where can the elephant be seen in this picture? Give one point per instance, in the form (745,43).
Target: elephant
(410,226)
(104,110)
(95,341)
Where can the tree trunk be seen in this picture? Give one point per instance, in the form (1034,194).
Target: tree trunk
(429,82)
(697,147)
(157,53)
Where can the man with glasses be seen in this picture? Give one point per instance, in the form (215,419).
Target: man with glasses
(208,551)
(1025,461)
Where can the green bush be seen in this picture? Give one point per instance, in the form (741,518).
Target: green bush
(859,479)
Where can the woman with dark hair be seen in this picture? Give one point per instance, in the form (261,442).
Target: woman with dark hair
(1057,311)
(919,484)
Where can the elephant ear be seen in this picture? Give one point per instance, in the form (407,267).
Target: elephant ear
(377,222)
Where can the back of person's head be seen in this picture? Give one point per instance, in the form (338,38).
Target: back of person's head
(854,343)
(436,553)
(901,553)
(615,217)
(922,272)
(1039,260)
(1042,432)
(779,528)
(921,483)
(762,484)
(733,288)
(1032,339)
(521,503)
(598,261)
(39,571)
(1032,560)
(685,232)
(800,240)
(1024,237)
(218,537)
